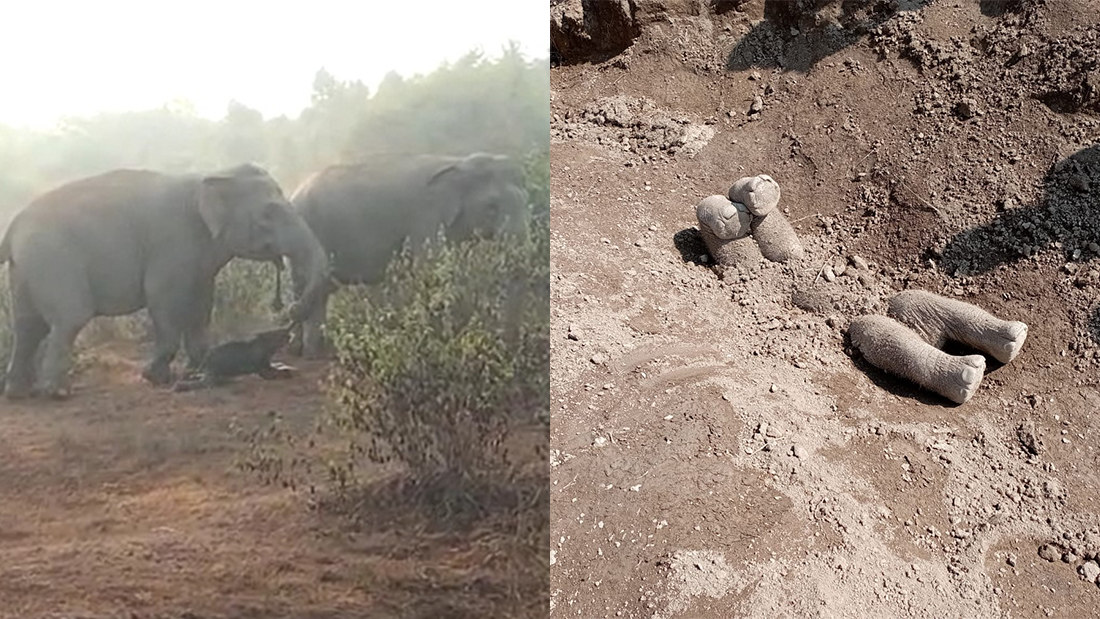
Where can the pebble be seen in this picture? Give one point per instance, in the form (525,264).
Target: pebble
(757,105)
(1090,570)
(828,273)
(599,358)
(858,262)
(1069,557)
(1011,560)
(799,452)
(1094,248)
(774,388)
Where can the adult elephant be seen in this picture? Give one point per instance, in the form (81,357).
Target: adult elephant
(363,213)
(112,244)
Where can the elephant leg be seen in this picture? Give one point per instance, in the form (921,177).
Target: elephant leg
(295,347)
(58,357)
(29,331)
(196,341)
(166,327)
(313,340)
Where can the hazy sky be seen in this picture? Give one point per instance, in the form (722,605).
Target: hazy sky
(78,57)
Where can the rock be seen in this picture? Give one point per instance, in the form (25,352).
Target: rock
(858,262)
(581,30)
(757,105)
(1069,557)
(1050,552)
(599,358)
(967,108)
(1025,433)
(799,452)
(1094,248)
(1080,182)
(1090,570)
(1011,560)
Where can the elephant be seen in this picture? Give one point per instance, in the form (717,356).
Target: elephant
(363,213)
(112,244)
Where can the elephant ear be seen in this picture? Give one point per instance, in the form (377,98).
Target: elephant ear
(451,167)
(213,205)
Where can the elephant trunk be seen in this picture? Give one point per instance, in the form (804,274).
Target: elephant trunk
(309,270)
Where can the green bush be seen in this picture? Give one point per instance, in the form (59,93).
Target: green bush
(440,362)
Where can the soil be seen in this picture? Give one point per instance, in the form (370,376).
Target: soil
(127,501)
(717,448)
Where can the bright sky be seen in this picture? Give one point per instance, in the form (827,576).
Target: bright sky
(79,57)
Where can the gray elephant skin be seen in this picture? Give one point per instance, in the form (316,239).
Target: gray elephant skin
(115,243)
(363,213)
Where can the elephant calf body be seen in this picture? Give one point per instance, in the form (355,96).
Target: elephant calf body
(112,244)
(241,358)
(364,213)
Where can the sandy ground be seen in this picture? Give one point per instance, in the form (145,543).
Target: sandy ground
(717,448)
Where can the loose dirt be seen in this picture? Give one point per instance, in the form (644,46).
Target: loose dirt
(126,501)
(717,448)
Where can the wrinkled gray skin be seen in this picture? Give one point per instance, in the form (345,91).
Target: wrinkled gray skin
(363,213)
(113,244)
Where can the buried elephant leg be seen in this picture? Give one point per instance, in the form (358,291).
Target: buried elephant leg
(891,346)
(741,252)
(938,319)
(776,237)
(724,226)
(759,194)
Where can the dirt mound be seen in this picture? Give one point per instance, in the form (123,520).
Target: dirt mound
(719,450)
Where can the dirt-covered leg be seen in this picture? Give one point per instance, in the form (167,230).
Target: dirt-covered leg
(938,318)
(759,194)
(724,227)
(891,346)
(776,238)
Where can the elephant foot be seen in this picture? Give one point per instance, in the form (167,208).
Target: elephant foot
(14,393)
(54,391)
(157,376)
(962,378)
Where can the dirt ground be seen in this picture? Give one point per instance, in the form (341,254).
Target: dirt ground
(717,449)
(125,501)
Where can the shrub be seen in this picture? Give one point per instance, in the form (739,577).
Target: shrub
(436,365)
(243,296)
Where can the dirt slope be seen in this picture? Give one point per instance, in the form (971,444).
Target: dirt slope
(717,450)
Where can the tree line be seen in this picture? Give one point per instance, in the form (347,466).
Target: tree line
(473,104)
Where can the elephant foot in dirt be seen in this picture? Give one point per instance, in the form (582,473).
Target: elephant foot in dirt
(759,194)
(939,319)
(891,346)
(724,226)
(776,237)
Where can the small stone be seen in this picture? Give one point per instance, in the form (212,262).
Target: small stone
(1094,248)
(828,273)
(1049,552)
(1069,557)
(966,108)
(774,388)
(755,75)
(1011,560)
(799,452)
(858,262)
(1090,570)
(599,358)
(757,105)
(1080,182)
